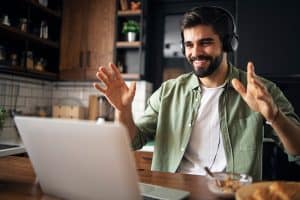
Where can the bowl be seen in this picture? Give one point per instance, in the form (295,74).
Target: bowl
(225,184)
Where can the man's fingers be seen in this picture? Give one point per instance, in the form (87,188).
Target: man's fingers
(98,87)
(250,72)
(115,71)
(239,87)
(259,84)
(102,77)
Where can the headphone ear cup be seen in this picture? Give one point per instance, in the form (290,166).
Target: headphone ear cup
(182,44)
(182,48)
(234,43)
(230,43)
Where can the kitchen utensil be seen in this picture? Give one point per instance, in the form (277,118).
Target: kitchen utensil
(93,107)
(106,111)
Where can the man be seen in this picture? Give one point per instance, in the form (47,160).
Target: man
(212,117)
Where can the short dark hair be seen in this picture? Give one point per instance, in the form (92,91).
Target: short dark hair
(216,17)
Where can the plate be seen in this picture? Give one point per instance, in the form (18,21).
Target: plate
(219,192)
(228,183)
(246,192)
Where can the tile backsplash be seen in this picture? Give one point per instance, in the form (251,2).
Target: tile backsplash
(27,96)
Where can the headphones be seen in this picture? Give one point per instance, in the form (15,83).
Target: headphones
(230,40)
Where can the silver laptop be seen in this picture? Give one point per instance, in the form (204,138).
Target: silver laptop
(83,160)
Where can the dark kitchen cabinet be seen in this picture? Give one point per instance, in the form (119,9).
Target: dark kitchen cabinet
(87,38)
(29,38)
(269,36)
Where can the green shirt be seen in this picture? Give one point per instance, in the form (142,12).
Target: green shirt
(171,113)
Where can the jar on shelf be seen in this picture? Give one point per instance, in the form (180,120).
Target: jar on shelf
(43,2)
(23,24)
(27,60)
(14,60)
(40,65)
(44,30)
(2,54)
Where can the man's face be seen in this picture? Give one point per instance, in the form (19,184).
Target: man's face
(203,49)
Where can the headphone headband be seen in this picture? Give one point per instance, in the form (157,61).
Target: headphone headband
(230,40)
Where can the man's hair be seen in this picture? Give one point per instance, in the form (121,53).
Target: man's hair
(220,20)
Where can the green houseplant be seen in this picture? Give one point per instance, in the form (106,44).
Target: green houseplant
(131,28)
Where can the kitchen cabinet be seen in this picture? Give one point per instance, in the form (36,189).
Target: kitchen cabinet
(130,56)
(274,52)
(30,34)
(143,160)
(87,38)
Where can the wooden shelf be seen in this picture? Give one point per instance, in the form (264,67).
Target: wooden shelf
(20,71)
(29,36)
(125,44)
(44,9)
(129,12)
(132,76)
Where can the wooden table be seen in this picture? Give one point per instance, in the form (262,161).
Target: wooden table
(17,181)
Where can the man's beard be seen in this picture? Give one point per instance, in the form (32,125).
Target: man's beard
(213,66)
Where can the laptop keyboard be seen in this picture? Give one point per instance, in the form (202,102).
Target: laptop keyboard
(6,146)
(148,198)
(151,192)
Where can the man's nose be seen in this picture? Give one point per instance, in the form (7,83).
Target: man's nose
(197,50)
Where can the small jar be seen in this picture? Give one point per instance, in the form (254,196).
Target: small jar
(14,60)
(39,66)
(27,60)
(2,54)
(23,24)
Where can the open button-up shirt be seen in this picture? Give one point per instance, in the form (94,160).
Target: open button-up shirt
(171,113)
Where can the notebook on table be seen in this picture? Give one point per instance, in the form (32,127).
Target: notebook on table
(76,159)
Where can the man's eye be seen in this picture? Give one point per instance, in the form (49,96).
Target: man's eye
(205,43)
(188,45)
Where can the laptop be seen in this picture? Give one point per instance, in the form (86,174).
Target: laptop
(76,159)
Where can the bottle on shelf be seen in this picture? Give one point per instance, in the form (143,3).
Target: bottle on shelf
(27,60)
(44,30)
(23,25)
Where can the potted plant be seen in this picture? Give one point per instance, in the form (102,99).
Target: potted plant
(131,28)
(2,117)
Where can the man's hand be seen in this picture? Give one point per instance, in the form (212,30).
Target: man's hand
(115,89)
(256,95)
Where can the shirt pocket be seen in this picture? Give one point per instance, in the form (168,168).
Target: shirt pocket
(247,133)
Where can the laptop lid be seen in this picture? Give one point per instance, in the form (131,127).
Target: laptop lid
(79,159)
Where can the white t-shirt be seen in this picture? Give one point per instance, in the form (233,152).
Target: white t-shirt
(205,147)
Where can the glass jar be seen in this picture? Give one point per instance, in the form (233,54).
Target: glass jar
(14,60)
(2,54)
(27,60)
(23,24)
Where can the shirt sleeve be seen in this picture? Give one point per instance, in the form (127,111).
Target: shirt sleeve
(285,107)
(147,124)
